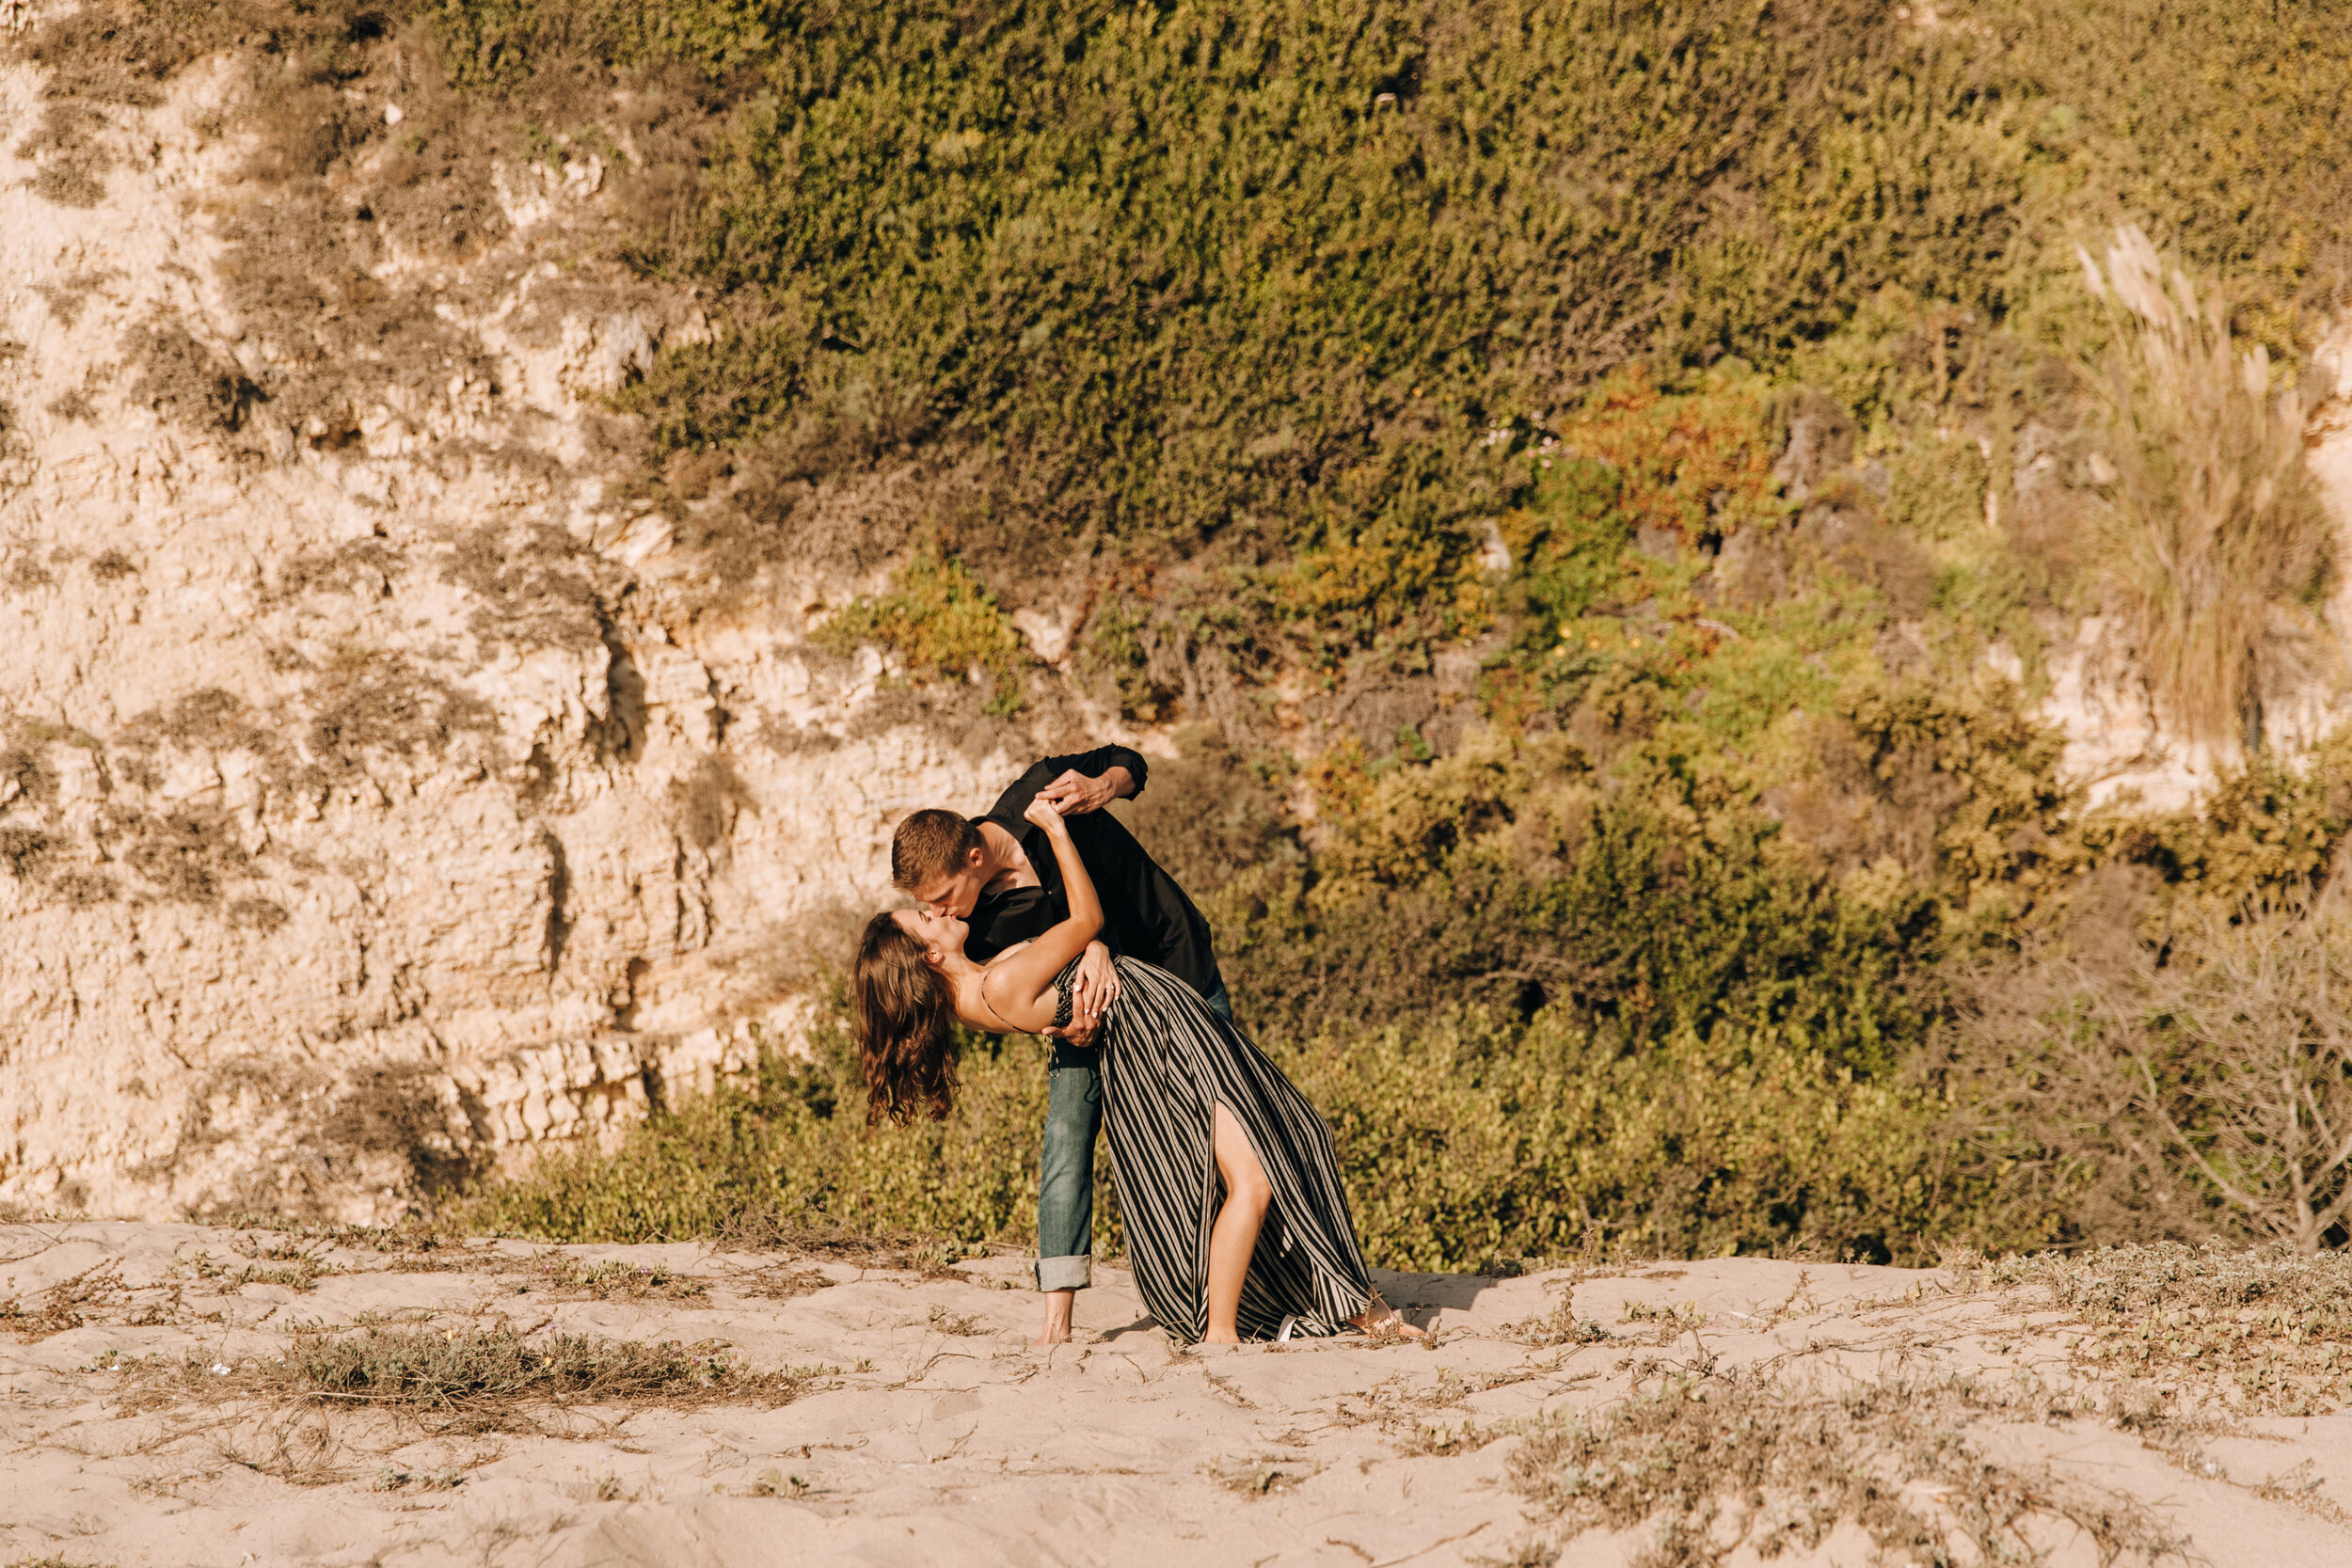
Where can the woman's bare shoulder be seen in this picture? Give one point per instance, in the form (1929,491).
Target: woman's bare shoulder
(974,1009)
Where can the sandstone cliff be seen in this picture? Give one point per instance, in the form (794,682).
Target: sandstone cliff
(379,790)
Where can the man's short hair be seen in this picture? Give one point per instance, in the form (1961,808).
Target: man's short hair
(932,843)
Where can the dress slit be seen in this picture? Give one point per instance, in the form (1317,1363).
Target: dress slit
(1168,1062)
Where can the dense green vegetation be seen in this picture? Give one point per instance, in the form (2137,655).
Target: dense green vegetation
(1259,278)
(1681,1043)
(1469,1140)
(1686,949)
(1762,340)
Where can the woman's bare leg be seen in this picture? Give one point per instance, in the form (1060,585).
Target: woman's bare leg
(1234,1236)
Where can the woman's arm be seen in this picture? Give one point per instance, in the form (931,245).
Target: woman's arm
(1016,984)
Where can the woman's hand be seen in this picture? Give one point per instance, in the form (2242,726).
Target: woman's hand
(1091,996)
(1041,814)
(1098,984)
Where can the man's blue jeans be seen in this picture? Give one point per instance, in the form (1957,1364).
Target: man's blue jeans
(1065,1178)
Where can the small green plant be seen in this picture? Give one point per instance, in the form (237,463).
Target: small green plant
(944,625)
(962,1324)
(1261,1478)
(775,1484)
(2261,1332)
(68,1304)
(1561,1327)
(614,1277)
(393,1479)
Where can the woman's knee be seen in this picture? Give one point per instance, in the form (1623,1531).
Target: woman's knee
(1245,1184)
(1246,1181)
(1253,1192)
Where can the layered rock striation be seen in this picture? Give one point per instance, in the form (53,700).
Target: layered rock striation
(382,791)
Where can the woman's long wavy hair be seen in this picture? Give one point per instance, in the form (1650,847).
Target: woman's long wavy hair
(906,1026)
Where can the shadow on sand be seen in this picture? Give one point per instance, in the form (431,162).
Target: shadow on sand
(1419,1298)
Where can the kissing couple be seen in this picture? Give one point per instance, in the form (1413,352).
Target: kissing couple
(1046,917)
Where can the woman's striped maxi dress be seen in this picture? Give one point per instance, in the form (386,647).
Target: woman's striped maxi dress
(1166,1061)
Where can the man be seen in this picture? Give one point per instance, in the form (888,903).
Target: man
(998,873)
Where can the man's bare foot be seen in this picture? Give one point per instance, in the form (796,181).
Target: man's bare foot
(1057,1305)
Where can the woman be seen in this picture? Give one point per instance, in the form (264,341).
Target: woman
(1190,1106)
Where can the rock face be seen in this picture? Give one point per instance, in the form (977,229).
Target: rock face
(380,792)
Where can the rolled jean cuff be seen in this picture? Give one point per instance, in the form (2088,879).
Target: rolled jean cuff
(1065,1274)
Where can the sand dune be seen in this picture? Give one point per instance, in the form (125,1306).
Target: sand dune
(150,1419)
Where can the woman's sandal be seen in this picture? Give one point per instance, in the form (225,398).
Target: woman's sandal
(1391,1325)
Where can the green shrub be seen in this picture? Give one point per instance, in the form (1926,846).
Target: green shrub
(2269,830)
(792,1147)
(1548,1011)
(1644,902)
(1282,266)
(943,623)
(502,43)
(1467,1143)
(1471,1145)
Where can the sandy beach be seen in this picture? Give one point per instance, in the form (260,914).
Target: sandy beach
(150,1419)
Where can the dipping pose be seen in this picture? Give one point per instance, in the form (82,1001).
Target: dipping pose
(1227,1176)
(997,874)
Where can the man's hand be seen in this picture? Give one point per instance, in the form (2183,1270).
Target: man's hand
(1074,794)
(1091,996)
(1078,1032)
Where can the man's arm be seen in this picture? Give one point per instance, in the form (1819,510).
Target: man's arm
(1091,767)
(1089,780)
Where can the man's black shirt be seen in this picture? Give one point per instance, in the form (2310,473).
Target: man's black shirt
(1145,915)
